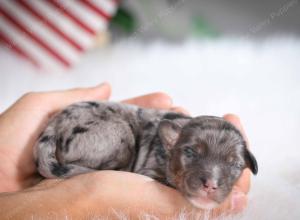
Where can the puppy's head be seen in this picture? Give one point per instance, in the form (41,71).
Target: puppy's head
(205,158)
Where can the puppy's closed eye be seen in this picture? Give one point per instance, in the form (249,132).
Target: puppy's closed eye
(189,152)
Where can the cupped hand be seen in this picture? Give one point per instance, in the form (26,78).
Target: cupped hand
(100,193)
(21,124)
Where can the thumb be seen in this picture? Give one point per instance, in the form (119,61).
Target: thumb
(60,99)
(238,201)
(235,203)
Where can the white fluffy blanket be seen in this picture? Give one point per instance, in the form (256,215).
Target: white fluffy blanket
(260,81)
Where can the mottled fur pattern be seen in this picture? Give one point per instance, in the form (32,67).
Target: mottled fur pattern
(177,150)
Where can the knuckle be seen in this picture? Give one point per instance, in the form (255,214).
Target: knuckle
(32,97)
(162,95)
(29,95)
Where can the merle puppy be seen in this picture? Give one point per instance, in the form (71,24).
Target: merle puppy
(202,157)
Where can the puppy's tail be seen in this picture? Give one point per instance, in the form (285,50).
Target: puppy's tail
(47,163)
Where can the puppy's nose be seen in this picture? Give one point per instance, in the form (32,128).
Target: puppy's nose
(210,185)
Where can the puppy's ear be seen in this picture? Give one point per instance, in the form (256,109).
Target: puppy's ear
(168,132)
(251,161)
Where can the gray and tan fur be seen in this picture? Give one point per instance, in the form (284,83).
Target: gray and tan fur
(201,157)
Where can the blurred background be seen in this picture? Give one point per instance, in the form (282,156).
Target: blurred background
(212,57)
(184,18)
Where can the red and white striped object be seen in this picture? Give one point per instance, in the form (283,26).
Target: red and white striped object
(53,33)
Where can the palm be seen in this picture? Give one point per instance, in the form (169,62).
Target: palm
(17,152)
(20,126)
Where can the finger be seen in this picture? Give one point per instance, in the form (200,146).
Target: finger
(244,181)
(99,92)
(235,120)
(60,99)
(154,100)
(234,203)
(179,109)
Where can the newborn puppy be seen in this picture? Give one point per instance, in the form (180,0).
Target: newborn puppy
(202,157)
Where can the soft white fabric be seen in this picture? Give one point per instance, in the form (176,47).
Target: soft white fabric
(260,81)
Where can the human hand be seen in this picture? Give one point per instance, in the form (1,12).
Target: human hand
(21,124)
(118,189)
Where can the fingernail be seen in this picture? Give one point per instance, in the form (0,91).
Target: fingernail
(163,100)
(102,91)
(238,201)
(103,84)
